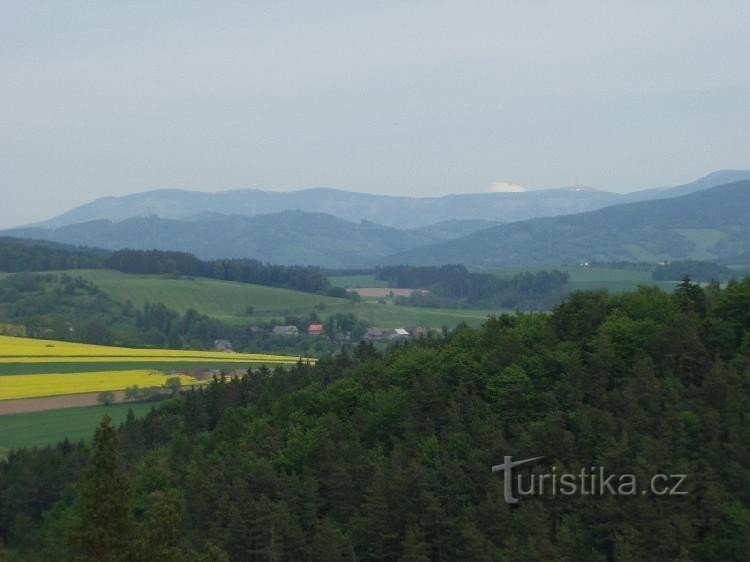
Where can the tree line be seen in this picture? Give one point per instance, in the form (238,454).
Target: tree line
(455,285)
(704,271)
(20,255)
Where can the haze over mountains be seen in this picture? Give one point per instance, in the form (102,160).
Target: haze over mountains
(398,212)
(333,228)
(709,224)
(286,238)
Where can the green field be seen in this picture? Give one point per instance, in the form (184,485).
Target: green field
(228,301)
(581,278)
(704,239)
(356,281)
(391,315)
(44,428)
(224,300)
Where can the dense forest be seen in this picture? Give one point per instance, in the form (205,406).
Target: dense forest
(454,285)
(19,255)
(308,279)
(387,456)
(697,271)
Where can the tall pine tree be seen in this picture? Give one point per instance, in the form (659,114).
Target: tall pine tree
(102,527)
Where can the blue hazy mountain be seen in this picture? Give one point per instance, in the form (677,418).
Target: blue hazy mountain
(708,224)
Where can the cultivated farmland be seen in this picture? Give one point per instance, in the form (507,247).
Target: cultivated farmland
(34,368)
(30,386)
(49,427)
(228,301)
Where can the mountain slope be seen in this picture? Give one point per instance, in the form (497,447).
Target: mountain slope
(452,229)
(287,238)
(719,177)
(399,212)
(708,224)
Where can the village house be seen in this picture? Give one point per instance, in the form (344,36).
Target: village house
(416,331)
(288,331)
(373,334)
(315,329)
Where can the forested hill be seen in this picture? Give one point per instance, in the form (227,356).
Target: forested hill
(387,457)
(17,255)
(288,238)
(709,224)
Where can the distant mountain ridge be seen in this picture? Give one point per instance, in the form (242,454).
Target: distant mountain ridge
(401,212)
(720,177)
(286,238)
(708,224)
(397,212)
(614,232)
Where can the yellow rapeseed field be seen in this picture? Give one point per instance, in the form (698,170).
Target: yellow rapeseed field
(30,386)
(24,350)
(34,351)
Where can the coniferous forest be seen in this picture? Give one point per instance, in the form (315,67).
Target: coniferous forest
(387,455)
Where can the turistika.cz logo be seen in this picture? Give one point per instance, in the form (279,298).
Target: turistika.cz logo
(590,481)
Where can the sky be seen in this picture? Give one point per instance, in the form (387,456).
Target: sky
(400,97)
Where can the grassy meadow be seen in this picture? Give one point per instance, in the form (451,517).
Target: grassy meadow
(581,278)
(228,301)
(46,428)
(356,281)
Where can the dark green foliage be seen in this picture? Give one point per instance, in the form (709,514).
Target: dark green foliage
(696,270)
(17,254)
(21,255)
(101,522)
(306,279)
(453,285)
(375,456)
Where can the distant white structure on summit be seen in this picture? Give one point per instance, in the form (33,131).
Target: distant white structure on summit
(506,187)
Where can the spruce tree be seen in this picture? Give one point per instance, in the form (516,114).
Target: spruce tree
(102,526)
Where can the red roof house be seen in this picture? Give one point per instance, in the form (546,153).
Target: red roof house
(315,329)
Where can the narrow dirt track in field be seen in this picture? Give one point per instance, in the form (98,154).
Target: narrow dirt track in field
(24,405)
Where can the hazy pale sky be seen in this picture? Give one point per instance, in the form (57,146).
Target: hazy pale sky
(402,97)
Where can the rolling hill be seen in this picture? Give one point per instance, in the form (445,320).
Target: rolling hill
(708,224)
(287,238)
(469,229)
(719,177)
(228,301)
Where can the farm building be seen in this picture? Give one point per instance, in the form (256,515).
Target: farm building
(373,334)
(223,345)
(285,331)
(315,329)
